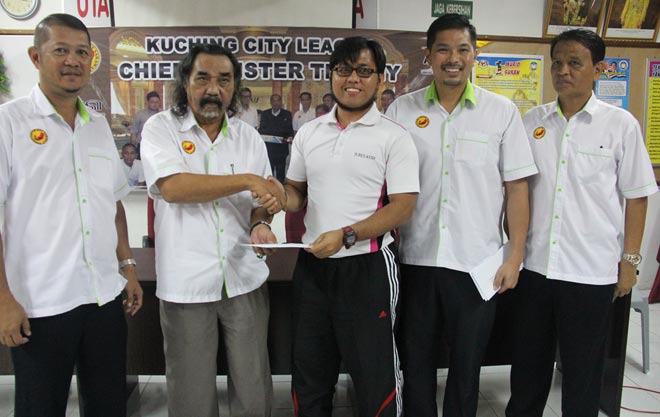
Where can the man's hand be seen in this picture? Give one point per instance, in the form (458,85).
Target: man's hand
(506,277)
(270,193)
(134,293)
(12,320)
(627,279)
(327,244)
(262,234)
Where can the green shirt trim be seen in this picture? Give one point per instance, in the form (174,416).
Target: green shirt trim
(468,94)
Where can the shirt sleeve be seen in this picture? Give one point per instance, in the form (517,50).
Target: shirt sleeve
(297,170)
(160,152)
(516,160)
(402,171)
(635,174)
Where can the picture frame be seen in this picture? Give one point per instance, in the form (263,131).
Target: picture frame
(563,15)
(634,20)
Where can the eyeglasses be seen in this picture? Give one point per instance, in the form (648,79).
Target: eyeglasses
(362,72)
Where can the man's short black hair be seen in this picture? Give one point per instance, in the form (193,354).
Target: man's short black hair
(586,38)
(450,21)
(388,91)
(42,33)
(128,145)
(152,94)
(306,93)
(185,69)
(348,50)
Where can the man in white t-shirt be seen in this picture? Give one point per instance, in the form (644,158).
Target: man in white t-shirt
(132,166)
(306,113)
(65,239)
(474,163)
(245,111)
(583,245)
(357,170)
(202,170)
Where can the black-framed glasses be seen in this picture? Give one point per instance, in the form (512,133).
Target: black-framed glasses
(362,72)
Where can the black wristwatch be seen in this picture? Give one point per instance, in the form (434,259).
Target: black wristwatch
(349,237)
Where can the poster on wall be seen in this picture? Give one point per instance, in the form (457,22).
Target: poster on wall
(652,116)
(562,15)
(632,20)
(517,77)
(614,84)
(275,60)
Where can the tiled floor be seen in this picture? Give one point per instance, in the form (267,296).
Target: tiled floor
(150,401)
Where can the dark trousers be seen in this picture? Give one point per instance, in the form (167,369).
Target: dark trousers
(90,337)
(277,153)
(576,316)
(434,298)
(344,309)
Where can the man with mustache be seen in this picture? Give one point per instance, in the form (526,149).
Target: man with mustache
(470,143)
(202,169)
(65,238)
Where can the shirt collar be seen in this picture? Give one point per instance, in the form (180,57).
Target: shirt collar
(44,107)
(369,118)
(468,94)
(589,107)
(188,122)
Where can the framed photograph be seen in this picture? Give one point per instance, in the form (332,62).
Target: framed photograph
(572,14)
(632,20)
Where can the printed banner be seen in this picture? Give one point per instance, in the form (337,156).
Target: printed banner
(517,77)
(614,84)
(652,119)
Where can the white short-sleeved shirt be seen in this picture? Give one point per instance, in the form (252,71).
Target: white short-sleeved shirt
(587,166)
(59,189)
(249,116)
(465,157)
(350,172)
(198,246)
(135,173)
(301,117)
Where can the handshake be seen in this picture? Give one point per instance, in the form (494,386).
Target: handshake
(270,194)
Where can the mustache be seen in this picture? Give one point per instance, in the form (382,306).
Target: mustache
(211,100)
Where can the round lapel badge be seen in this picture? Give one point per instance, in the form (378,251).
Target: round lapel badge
(188,147)
(422,122)
(38,136)
(539,132)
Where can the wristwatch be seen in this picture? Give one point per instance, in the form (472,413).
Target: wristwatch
(633,259)
(125,262)
(349,237)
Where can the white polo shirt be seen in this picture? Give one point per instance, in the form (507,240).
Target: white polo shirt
(135,173)
(249,116)
(198,245)
(59,189)
(301,117)
(350,172)
(587,166)
(464,159)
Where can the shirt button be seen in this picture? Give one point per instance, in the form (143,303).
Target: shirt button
(554,242)
(223,258)
(79,169)
(222,230)
(90,263)
(446,172)
(563,161)
(444,227)
(444,200)
(556,217)
(84,200)
(449,146)
(87,232)
(559,189)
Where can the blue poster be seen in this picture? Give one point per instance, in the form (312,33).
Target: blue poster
(614,84)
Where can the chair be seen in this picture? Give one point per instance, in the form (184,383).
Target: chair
(640,304)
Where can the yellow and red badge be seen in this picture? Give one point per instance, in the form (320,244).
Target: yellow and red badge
(539,132)
(38,136)
(188,147)
(96,59)
(422,121)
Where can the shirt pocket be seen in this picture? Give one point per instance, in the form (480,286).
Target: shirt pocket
(593,164)
(471,148)
(101,168)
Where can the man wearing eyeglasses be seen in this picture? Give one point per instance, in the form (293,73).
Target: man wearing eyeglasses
(245,111)
(202,169)
(470,143)
(358,172)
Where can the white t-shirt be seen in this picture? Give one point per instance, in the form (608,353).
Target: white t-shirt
(588,166)
(301,117)
(465,157)
(198,246)
(249,116)
(350,172)
(135,173)
(59,189)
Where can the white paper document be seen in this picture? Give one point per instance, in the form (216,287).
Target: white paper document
(276,245)
(483,274)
